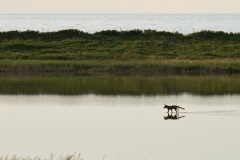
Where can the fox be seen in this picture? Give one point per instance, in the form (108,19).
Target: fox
(175,107)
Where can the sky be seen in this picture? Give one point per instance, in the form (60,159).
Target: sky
(119,6)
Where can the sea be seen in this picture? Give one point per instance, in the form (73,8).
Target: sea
(182,23)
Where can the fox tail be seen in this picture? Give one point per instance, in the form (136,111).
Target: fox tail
(181,108)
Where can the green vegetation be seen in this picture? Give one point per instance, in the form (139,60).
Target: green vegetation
(68,84)
(125,51)
(147,66)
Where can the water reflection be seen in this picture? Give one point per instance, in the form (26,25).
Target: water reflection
(172,116)
(119,85)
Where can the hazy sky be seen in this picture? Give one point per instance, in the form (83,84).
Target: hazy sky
(119,6)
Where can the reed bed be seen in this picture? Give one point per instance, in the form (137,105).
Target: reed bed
(128,66)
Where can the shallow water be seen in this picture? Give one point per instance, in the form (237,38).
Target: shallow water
(120,127)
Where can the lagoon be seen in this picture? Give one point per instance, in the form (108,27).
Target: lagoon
(120,127)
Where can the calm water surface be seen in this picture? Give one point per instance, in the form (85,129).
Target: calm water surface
(92,23)
(118,126)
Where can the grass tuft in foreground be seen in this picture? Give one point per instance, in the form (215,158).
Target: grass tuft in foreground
(51,157)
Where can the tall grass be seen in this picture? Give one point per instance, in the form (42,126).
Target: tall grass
(179,66)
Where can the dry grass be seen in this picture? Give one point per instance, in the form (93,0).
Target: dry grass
(51,157)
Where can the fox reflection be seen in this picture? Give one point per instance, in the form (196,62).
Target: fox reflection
(173,117)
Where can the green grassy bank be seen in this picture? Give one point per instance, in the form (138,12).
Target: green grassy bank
(122,52)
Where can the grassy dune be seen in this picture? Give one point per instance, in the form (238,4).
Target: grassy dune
(126,51)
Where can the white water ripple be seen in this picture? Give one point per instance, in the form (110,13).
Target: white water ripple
(235,113)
